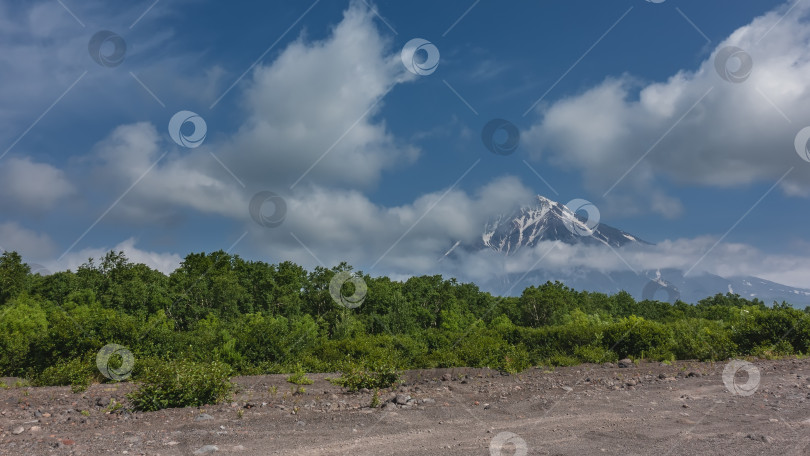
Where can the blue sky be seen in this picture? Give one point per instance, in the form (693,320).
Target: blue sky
(88,164)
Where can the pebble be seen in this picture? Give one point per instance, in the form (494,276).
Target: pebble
(207,449)
(203,417)
(18,430)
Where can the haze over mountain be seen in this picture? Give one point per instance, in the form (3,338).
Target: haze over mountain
(549,221)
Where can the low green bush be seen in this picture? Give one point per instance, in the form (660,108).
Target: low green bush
(354,377)
(167,384)
(299,377)
(79,373)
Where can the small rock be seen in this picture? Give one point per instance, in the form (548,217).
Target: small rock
(567,389)
(207,449)
(402,399)
(625,363)
(203,417)
(447,377)
(486,406)
(35,429)
(632,382)
(18,430)
(172,443)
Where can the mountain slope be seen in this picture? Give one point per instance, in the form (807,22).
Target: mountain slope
(547,220)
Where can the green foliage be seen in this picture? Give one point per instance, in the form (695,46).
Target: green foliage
(355,376)
(167,384)
(79,373)
(299,377)
(219,314)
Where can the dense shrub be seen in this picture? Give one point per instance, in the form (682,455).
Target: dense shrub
(355,376)
(166,384)
(218,314)
(76,372)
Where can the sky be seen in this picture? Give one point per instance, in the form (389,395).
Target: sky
(329,131)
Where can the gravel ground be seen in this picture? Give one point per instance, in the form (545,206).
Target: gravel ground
(649,408)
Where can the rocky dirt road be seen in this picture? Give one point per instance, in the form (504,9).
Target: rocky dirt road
(649,408)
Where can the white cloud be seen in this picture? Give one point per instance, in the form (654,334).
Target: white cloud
(734,136)
(28,243)
(344,225)
(27,186)
(316,97)
(162,261)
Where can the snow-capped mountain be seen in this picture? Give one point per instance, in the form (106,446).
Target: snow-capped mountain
(547,220)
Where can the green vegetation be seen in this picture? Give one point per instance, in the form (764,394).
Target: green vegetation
(219,315)
(181,384)
(299,377)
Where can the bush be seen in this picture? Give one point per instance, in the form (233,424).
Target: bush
(595,354)
(76,372)
(166,384)
(355,377)
(299,377)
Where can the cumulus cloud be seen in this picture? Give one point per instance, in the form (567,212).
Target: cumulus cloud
(309,112)
(164,178)
(695,128)
(31,187)
(26,242)
(344,225)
